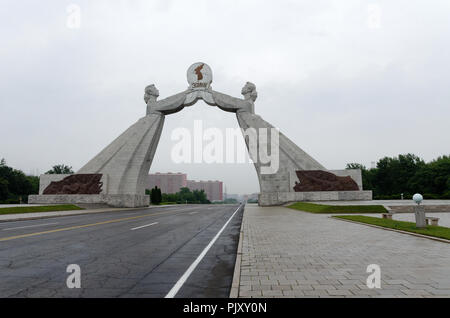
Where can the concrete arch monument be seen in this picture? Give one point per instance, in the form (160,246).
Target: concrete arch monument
(117,175)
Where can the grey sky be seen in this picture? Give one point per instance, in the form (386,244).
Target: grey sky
(341,81)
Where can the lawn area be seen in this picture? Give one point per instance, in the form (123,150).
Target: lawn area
(44,208)
(322,208)
(436,231)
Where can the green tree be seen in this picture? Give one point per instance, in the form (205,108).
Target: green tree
(200,196)
(60,169)
(34,181)
(155,195)
(159,196)
(185,195)
(152,196)
(433,178)
(407,174)
(392,174)
(14,184)
(366,175)
(4,192)
(170,197)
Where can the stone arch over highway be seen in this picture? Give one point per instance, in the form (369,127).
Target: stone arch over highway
(117,175)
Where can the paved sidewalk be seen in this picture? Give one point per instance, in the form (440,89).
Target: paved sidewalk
(288,253)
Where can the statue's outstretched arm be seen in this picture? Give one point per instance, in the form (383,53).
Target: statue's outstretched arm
(170,104)
(166,106)
(228,103)
(190,96)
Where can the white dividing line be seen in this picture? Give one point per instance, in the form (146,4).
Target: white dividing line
(193,213)
(140,227)
(28,226)
(191,268)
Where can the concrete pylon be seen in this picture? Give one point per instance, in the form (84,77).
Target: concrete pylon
(278,176)
(127,160)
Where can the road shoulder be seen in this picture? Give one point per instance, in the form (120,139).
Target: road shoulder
(44,215)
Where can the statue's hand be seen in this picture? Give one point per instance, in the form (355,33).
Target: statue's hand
(229,103)
(194,95)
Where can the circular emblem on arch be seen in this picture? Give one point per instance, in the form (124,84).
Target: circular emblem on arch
(199,75)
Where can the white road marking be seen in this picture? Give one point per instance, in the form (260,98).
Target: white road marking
(28,226)
(193,213)
(140,227)
(182,280)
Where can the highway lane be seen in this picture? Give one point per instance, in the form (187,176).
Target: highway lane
(135,253)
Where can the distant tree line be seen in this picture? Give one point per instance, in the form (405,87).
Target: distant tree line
(226,201)
(15,186)
(185,195)
(407,174)
(230,201)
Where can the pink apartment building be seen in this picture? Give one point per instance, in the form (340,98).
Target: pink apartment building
(172,182)
(213,189)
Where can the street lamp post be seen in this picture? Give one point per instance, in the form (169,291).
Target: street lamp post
(419,211)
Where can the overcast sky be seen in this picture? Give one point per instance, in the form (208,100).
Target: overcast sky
(347,81)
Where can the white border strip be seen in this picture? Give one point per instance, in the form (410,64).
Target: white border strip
(185,276)
(434,238)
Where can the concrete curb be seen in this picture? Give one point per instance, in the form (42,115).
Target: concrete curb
(234,292)
(52,214)
(395,230)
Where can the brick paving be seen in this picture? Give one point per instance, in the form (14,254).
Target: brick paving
(288,253)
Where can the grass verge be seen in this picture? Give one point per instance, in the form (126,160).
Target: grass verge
(436,231)
(322,208)
(43,208)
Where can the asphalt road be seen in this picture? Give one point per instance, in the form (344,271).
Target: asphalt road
(136,253)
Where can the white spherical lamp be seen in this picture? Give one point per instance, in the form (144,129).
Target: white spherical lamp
(418,198)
